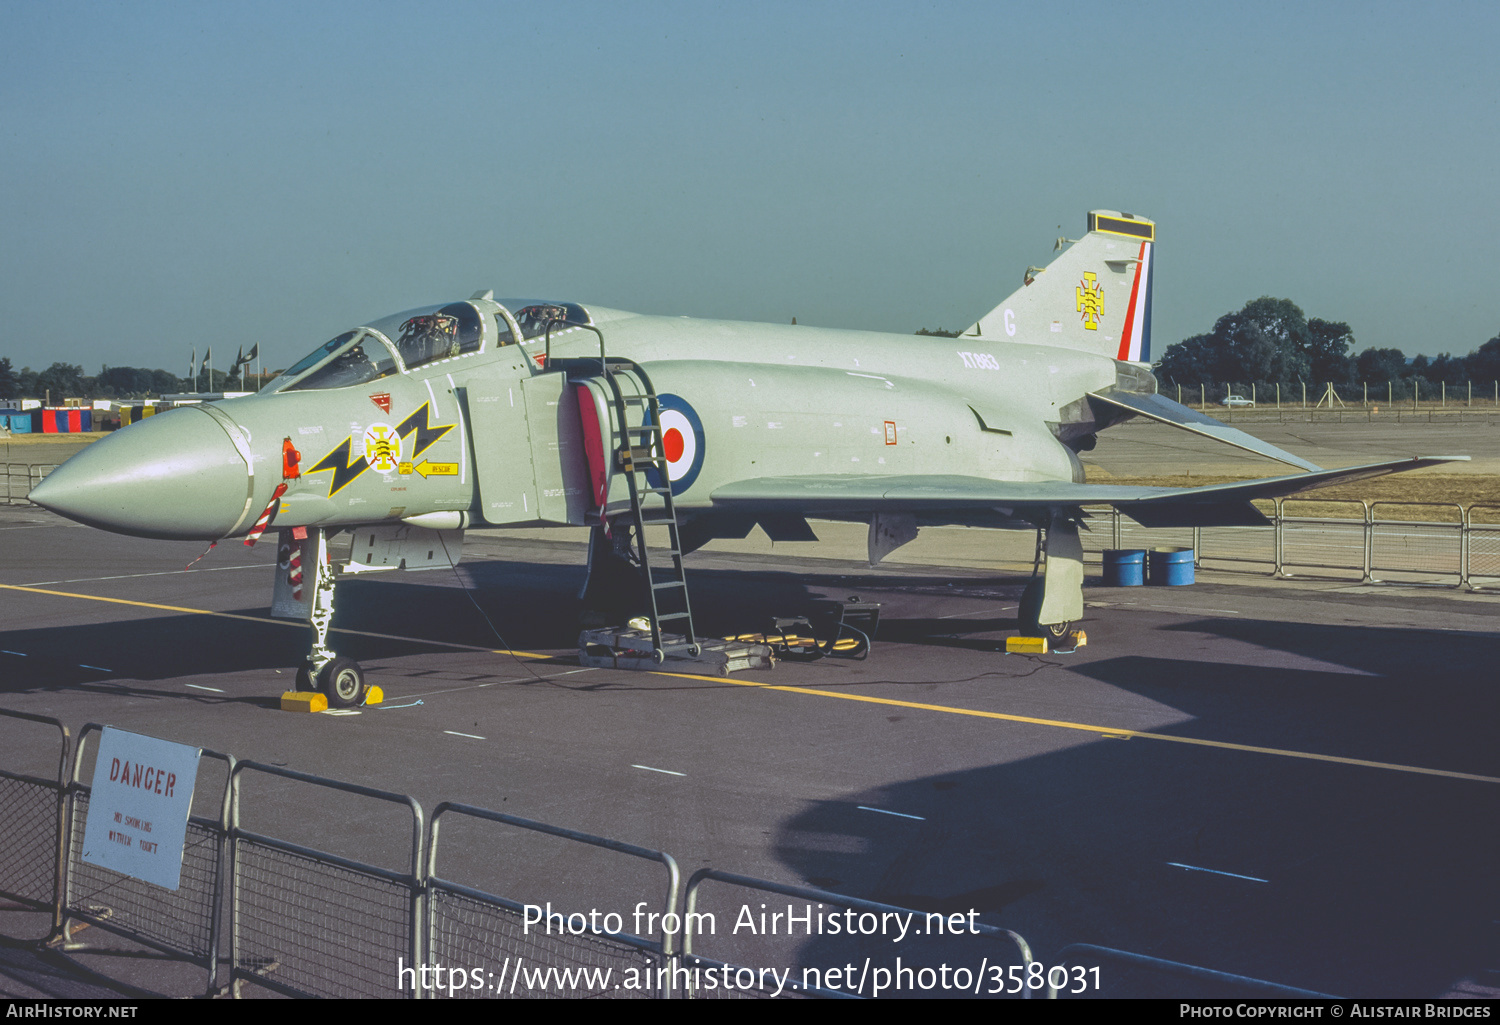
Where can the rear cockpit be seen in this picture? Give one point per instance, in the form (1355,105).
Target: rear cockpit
(425,337)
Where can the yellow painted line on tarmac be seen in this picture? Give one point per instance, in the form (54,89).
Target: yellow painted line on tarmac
(1106,731)
(1110,732)
(266,621)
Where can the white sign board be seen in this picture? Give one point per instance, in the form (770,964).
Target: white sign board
(139,806)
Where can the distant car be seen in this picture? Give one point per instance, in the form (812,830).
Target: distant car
(1237,400)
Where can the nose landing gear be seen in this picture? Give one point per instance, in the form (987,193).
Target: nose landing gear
(339,678)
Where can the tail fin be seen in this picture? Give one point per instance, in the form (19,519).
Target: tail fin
(1096,296)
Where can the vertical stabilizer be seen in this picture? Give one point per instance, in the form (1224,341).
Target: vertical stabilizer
(1096,296)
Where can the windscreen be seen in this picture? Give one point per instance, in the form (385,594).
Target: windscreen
(366,357)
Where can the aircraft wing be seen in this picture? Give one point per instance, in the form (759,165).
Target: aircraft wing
(1222,505)
(1164,410)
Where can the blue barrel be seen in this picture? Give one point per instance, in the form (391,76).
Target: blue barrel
(1170,566)
(1124,567)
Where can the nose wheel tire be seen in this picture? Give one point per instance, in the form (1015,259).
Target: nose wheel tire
(344,683)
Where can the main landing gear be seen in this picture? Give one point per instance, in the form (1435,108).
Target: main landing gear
(1052,603)
(1028,616)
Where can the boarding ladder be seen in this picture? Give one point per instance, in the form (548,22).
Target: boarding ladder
(637,442)
(635,445)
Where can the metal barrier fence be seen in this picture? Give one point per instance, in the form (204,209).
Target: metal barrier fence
(928,937)
(1482,546)
(182,922)
(32,808)
(573,948)
(1453,544)
(20,478)
(306,922)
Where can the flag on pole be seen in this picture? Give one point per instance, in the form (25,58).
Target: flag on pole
(208,354)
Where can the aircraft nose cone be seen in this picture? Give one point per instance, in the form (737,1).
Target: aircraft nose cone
(175,475)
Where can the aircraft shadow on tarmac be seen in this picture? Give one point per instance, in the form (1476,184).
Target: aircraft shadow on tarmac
(1343,878)
(525,606)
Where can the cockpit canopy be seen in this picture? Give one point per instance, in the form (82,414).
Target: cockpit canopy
(405,341)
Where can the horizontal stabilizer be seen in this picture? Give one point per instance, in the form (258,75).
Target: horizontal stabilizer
(1164,410)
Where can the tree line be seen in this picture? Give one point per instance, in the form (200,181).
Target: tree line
(1272,342)
(67,380)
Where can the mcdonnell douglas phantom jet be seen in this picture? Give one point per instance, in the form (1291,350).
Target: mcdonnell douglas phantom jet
(522,413)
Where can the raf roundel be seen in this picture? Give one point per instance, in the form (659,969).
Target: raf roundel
(681,444)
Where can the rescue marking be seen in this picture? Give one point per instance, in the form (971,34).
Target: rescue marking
(429,469)
(1217,872)
(898,814)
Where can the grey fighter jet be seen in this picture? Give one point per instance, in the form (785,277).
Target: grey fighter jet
(522,413)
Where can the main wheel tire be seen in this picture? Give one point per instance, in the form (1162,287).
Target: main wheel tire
(344,683)
(1029,614)
(305,681)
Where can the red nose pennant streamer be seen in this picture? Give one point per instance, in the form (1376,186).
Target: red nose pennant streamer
(199,559)
(265,517)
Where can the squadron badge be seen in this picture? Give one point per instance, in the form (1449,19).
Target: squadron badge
(382,448)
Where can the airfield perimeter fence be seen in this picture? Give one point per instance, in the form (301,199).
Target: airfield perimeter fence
(282,909)
(1384,542)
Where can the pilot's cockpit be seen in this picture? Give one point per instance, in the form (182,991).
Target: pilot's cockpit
(416,338)
(533,318)
(454,330)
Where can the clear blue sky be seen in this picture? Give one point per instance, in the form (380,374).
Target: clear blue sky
(179,175)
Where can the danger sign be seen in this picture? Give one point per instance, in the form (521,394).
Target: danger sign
(139,805)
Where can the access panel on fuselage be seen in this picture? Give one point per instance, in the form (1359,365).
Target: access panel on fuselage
(501,439)
(558,456)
